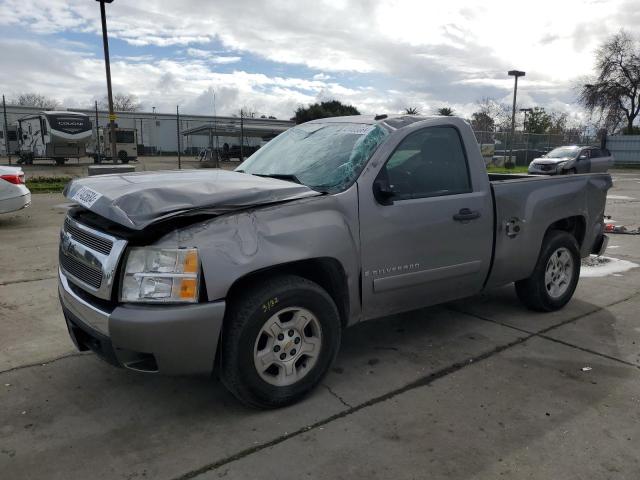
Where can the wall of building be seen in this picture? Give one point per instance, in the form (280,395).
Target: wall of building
(625,149)
(159,130)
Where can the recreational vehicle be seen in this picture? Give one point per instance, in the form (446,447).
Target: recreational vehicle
(9,145)
(126,145)
(55,135)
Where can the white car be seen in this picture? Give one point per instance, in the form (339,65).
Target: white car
(14,195)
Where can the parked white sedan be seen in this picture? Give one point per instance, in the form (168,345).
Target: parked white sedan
(14,195)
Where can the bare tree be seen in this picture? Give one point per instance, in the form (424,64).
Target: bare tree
(613,93)
(36,100)
(122,102)
(412,111)
(492,115)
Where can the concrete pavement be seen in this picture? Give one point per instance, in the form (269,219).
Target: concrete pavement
(479,388)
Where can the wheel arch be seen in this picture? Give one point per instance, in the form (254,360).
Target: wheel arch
(327,272)
(575,225)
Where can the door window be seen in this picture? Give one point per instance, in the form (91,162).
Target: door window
(428,163)
(595,153)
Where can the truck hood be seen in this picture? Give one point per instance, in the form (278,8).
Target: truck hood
(137,200)
(550,161)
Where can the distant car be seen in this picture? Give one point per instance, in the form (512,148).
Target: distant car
(14,195)
(572,159)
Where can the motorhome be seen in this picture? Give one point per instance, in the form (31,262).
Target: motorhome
(53,135)
(9,145)
(126,145)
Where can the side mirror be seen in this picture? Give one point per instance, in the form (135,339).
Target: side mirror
(584,156)
(382,193)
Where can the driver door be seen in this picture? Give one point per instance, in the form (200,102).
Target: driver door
(428,237)
(583,164)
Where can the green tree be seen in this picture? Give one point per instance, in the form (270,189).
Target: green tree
(446,112)
(482,122)
(332,108)
(411,111)
(613,93)
(538,121)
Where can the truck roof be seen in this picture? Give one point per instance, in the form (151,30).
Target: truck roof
(393,121)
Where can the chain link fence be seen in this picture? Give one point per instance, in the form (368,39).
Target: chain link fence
(496,146)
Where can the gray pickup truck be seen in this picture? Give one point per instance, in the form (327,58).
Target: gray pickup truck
(254,273)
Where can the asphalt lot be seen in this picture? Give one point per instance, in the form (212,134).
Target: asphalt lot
(479,388)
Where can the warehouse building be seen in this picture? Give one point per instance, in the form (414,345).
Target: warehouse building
(158,132)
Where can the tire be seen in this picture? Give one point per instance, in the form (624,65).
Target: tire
(283,303)
(122,155)
(571,171)
(60,160)
(554,280)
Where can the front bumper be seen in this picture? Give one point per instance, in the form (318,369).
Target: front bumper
(166,339)
(544,169)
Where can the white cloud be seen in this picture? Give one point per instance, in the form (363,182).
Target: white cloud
(453,54)
(211,57)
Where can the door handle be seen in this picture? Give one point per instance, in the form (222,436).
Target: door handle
(465,215)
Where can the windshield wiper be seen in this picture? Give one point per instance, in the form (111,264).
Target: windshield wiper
(280,176)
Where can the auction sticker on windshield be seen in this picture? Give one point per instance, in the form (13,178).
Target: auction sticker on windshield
(86,197)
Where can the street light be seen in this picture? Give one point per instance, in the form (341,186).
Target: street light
(526,136)
(516,74)
(107,64)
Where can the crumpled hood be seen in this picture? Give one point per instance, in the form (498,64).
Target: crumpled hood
(550,161)
(136,200)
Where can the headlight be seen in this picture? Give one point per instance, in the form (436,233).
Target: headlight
(161,275)
(559,165)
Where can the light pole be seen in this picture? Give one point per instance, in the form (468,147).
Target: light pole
(107,64)
(515,74)
(526,148)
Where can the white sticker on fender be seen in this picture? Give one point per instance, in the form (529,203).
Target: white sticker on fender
(86,197)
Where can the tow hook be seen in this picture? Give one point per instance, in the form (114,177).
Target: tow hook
(512,227)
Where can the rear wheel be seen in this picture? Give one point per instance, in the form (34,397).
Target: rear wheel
(555,276)
(279,341)
(60,160)
(122,155)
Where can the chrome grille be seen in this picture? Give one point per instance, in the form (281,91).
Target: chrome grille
(87,274)
(90,257)
(94,242)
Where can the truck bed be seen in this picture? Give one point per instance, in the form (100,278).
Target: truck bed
(533,202)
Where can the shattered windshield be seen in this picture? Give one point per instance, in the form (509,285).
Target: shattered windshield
(323,156)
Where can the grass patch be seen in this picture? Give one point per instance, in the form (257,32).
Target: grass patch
(47,184)
(516,169)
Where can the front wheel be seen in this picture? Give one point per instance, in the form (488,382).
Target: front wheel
(555,276)
(279,341)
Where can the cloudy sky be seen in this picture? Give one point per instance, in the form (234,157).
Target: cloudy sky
(379,55)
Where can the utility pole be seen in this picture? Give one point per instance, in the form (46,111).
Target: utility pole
(107,64)
(515,74)
(97,131)
(178,133)
(526,127)
(241,135)
(6,130)
(141,135)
